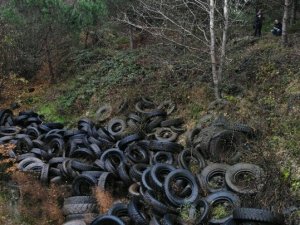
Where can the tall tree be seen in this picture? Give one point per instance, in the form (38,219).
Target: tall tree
(192,25)
(285,22)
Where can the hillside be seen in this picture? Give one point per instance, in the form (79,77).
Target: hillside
(261,87)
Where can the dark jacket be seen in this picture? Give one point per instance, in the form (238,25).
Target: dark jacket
(258,20)
(278,25)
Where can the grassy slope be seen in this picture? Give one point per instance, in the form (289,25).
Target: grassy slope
(260,82)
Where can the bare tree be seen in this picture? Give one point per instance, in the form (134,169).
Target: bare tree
(212,6)
(285,22)
(193,25)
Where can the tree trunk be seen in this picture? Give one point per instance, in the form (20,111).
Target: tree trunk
(212,6)
(284,22)
(131,41)
(224,40)
(293,11)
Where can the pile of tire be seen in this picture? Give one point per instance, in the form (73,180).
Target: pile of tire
(139,152)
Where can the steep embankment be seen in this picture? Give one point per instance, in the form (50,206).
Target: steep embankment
(261,85)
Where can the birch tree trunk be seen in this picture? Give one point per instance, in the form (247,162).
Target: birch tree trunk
(285,21)
(224,40)
(212,6)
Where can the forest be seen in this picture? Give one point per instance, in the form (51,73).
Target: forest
(149,112)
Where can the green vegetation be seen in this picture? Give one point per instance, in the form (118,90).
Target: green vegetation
(50,113)
(221,211)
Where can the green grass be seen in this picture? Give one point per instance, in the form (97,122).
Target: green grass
(51,114)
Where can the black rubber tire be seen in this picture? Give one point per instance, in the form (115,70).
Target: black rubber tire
(56,160)
(119,210)
(164,146)
(34,167)
(222,196)
(230,222)
(194,209)
(107,220)
(153,123)
(80,200)
(87,217)
(161,132)
(162,157)
(123,174)
(81,208)
(201,138)
(106,181)
(223,143)
(258,215)
(144,107)
(106,156)
(39,153)
(185,157)
(27,161)
(103,113)
(188,177)
(82,184)
(24,156)
(172,122)
(136,171)
(169,106)
(45,174)
(191,135)
(171,219)
(243,128)
(208,172)
(134,211)
(24,145)
(80,166)
(159,207)
(146,180)
(159,173)
(56,146)
(134,190)
(136,154)
(84,153)
(96,150)
(9,139)
(129,139)
(111,127)
(9,131)
(254,170)
(33,132)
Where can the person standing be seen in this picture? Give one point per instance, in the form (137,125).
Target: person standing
(258,23)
